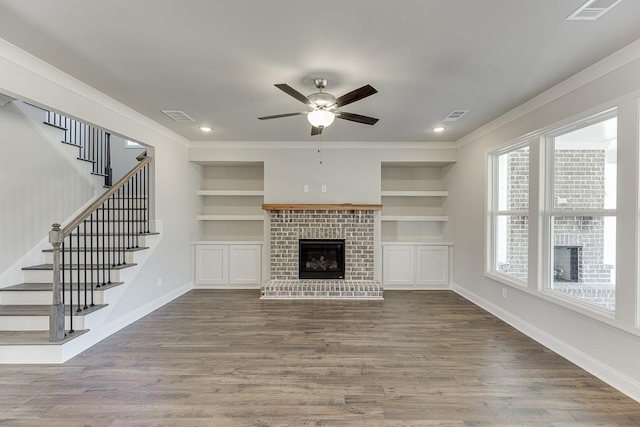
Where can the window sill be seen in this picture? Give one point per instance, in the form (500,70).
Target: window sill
(506,280)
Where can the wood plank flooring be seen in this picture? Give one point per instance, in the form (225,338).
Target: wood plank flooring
(225,358)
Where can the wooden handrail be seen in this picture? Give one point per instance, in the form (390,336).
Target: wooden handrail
(66,231)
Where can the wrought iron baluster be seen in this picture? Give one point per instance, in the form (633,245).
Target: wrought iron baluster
(78,266)
(93,250)
(86,267)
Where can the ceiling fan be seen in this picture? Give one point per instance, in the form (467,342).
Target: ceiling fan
(323,106)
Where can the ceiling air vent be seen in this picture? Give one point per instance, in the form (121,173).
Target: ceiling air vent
(592,10)
(455,115)
(178,116)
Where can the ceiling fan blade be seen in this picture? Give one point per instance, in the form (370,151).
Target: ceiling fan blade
(357,118)
(291,91)
(316,130)
(355,95)
(277,116)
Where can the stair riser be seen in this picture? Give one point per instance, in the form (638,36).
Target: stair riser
(109,241)
(46,297)
(92,257)
(36,323)
(46,276)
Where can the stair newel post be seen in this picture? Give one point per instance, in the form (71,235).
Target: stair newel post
(56,312)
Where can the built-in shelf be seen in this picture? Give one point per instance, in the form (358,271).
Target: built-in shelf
(415,218)
(230,193)
(433,193)
(230,218)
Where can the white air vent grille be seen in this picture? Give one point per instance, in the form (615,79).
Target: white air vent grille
(178,116)
(455,115)
(592,10)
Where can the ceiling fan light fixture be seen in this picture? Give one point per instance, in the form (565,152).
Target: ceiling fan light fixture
(321,118)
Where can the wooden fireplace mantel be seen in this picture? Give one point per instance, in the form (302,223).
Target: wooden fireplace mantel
(320,207)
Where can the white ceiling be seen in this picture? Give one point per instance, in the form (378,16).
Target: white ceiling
(218,60)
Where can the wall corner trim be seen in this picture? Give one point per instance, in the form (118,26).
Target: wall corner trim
(615,379)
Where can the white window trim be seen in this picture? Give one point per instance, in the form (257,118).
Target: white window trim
(492,212)
(132,144)
(550,211)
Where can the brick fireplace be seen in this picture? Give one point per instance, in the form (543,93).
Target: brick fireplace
(337,222)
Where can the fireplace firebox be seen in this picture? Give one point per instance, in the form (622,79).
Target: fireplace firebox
(321,259)
(566,264)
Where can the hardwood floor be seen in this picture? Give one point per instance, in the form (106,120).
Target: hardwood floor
(225,358)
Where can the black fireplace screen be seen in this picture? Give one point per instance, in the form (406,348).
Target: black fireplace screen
(321,259)
(566,262)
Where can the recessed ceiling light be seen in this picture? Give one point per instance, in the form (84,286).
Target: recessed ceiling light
(438,129)
(205,129)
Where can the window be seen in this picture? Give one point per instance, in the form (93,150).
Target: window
(132,144)
(580,211)
(509,213)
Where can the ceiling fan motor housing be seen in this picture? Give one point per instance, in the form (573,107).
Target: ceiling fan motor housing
(322,99)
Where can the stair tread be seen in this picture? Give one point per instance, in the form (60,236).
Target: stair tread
(98,249)
(82,266)
(38,287)
(34,337)
(55,126)
(84,160)
(43,310)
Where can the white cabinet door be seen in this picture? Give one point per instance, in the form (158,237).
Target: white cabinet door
(245,265)
(212,265)
(398,265)
(432,265)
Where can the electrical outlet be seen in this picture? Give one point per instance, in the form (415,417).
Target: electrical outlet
(324,188)
(504,293)
(159,282)
(306,188)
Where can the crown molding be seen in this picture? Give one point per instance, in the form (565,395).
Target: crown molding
(325,144)
(32,64)
(617,60)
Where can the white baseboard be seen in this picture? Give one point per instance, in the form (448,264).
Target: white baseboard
(80,344)
(415,288)
(606,373)
(228,287)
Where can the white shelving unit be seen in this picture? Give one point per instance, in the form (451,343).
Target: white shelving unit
(230,252)
(412,200)
(412,220)
(231,195)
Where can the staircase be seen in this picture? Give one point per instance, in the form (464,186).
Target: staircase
(62,299)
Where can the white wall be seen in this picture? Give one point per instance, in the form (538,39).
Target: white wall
(37,188)
(25,77)
(122,159)
(352,175)
(606,347)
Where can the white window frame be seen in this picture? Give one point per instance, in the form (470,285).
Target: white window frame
(132,144)
(493,212)
(550,212)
